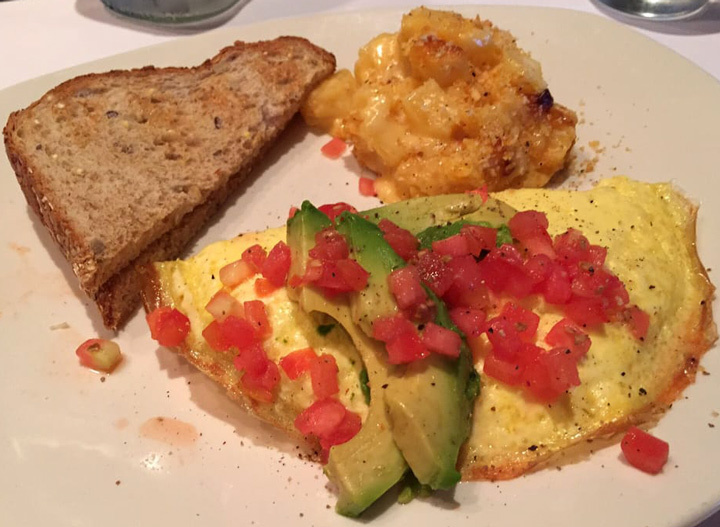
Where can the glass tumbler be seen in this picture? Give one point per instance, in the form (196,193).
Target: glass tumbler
(171,11)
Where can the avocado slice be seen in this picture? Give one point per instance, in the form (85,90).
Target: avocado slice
(424,408)
(368,465)
(418,214)
(427,402)
(375,255)
(430,404)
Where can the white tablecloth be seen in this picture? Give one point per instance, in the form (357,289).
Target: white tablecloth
(41,36)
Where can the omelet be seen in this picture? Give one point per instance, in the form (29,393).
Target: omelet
(446,104)
(649,233)
(189,285)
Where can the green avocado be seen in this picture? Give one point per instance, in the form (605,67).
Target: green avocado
(370,463)
(372,252)
(427,401)
(418,214)
(420,413)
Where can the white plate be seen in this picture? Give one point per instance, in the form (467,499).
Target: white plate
(73,450)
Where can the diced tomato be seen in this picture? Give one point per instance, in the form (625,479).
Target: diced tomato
(467,288)
(252,359)
(321,418)
(470,321)
(168,326)
(638,320)
(503,336)
(339,276)
(223,304)
(406,287)
(586,312)
(548,374)
(313,271)
(329,245)
(433,272)
(597,255)
(99,354)
(401,338)
(616,294)
(254,255)
(479,238)
(333,210)
(334,148)
(482,192)
(590,281)
(235,273)
(295,281)
(324,376)
(441,340)
(343,432)
(507,372)
(456,245)
(293,210)
(644,451)
(264,287)
(572,247)
(530,228)
(527,224)
(330,280)
(366,186)
(502,270)
(538,267)
(390,327)
(256,314)
(233,332)
(353,274)
(296,363)
(566,334)
(277,264)
(556,288)
(214,336)
(261,386)
(523,320)
(403,242)
(406,348)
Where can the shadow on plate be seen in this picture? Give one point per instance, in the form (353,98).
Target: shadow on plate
(211,399)
(706,22)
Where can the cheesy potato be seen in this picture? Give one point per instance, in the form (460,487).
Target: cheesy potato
(445,105)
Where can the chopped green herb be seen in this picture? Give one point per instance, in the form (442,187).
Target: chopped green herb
(440,232)
(503,235)
(324,329)
(364,388)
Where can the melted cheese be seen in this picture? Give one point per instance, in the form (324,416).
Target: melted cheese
(445,105)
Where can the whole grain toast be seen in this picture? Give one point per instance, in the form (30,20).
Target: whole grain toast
(127,166)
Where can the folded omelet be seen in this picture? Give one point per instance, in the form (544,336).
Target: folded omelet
(649,232)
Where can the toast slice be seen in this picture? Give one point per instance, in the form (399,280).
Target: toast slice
(125,167)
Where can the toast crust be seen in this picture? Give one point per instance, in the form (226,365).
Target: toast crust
(143,150)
